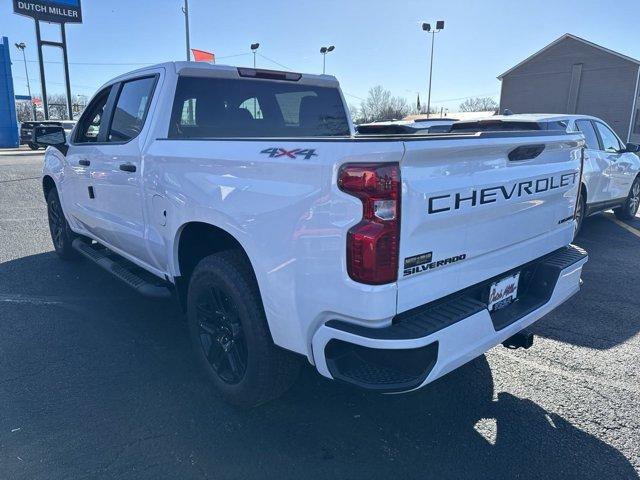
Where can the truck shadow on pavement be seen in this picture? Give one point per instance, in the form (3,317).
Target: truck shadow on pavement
(98,382)
(606,312)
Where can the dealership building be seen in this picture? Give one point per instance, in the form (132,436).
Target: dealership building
(573,75)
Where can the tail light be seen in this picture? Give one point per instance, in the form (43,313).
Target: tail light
(372,244)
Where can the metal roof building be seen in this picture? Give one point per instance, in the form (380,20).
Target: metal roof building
(573,75)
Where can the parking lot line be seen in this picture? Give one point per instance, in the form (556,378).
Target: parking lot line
(629,228)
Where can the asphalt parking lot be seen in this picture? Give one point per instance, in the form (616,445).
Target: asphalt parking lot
(97,382)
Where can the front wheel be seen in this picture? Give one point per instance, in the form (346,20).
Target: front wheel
(630,207)
(61,233)
(229,332)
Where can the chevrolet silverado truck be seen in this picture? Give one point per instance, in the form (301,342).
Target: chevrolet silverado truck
(386,261)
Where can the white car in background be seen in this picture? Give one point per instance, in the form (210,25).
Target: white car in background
(610,178)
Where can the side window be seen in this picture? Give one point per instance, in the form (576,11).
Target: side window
(89,124)
(131,109)
(636,125)
(610,142)
(586,128)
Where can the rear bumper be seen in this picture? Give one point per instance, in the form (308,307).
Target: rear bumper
(427,342)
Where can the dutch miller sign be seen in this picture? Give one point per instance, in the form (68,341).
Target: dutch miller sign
(56,11)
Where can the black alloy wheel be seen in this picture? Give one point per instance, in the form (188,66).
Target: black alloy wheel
(221,335)
(57,223)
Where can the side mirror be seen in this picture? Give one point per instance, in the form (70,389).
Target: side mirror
(52,136)
(632,148)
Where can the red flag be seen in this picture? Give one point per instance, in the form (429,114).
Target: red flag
(202,56)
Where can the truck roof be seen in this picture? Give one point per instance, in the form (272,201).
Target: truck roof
(203,68)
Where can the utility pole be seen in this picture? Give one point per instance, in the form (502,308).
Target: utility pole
(427,28)
(22,46)
(185,10)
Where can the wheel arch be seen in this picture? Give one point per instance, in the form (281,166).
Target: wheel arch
(195,240)
(48,184)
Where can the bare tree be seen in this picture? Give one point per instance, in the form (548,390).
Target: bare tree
(355,113)
(478,104)
(24,111)
(380,105)
(57,108)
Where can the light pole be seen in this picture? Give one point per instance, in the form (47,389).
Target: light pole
(427,28)
(22,46)
(185,10)
(254,48)
(324,51)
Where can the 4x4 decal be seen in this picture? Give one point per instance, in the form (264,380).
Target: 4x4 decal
(275,152)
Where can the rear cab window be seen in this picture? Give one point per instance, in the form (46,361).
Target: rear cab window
(208,107)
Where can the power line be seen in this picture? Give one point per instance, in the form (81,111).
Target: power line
(354,96)
(468,96)
(235,55)
(93,64)
(119,64)
(277,63)
(59,83)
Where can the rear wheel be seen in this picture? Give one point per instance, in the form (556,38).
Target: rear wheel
(230,335)
(631,204)
(61,234)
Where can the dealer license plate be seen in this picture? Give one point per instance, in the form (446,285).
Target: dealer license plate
(503,292)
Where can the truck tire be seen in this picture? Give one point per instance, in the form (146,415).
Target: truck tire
(34,146)
(61,233)
(630,206)
(229,332)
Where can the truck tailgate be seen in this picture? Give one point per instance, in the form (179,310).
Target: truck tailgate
(475,208)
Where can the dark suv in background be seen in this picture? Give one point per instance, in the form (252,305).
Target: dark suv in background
(26,130)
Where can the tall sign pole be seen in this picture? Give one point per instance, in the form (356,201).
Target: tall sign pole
(65,59)
(52,11)
(43,82)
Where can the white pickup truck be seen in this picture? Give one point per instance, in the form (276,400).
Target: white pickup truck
(386,261)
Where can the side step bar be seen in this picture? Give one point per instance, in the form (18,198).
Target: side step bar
(138,279)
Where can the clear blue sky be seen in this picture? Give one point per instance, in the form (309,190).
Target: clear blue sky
(377,41)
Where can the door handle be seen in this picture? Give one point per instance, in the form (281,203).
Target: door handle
(84,162)
(128,167)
